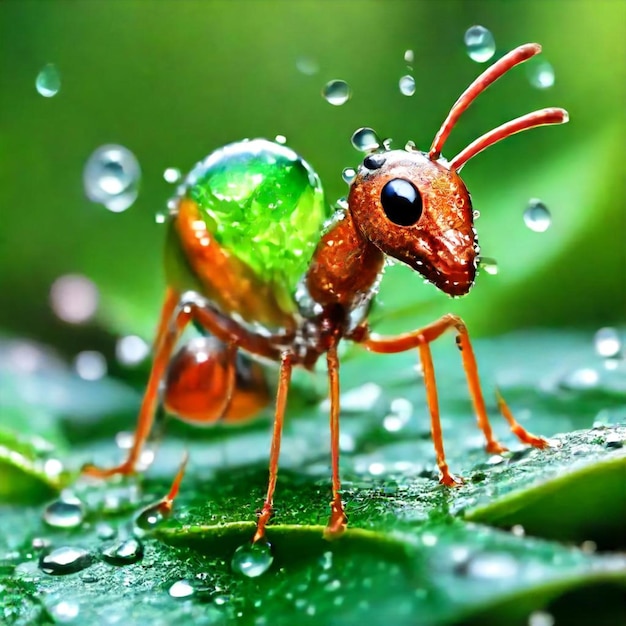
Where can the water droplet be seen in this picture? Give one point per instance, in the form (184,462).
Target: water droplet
(90,365)
(581,379)
(171,175)
(376,468)
(518,530)
(409,56)
(40,543)
(492,566)
(401,411)
(65,611)
(307,66)
(348,175)
(105,531)
(48,81)
(281,139)
(489,265)
(65,560)
(537,216)
(182,589)
(365,140)
(123,552)
(540,74)
(589,547)
(540,618)
(252,559)
(607,343)
(160,217)
(336,92)
(67,512)
(74,298)
(150,517)
(410,146)
(480,44)
(111,177)
(131,350)
(407,85)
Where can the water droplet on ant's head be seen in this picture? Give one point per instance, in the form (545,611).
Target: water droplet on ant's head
(123,552)
(48,81)
(607,343)
(74,298)
(489,265)
(90,365)
(407,85)
(409,56)
(365,140)
(252,559)
(336,92)
(131,350)
(537,216)
(307,66)
(348,175)
(111,177)
(171,175)
(65,560)
(67,512)
(540,74)
(480,44)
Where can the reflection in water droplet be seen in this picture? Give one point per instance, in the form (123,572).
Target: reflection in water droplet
(48,81)
(336,92)
(479,43)
(492,566)
(123,552)
(90,365)
(74,298)
(348,175)
(489,265)
(537,216)
(171,175)
(307,66)
(407,85)
(111,177)
(607,343)
(540,74)
(131,350)
(409,56)
(365,140)
(252,559)
(65,611)
(67,512)
(65,560)
(182,589)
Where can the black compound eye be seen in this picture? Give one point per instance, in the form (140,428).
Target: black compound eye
(401,202)
(374,161)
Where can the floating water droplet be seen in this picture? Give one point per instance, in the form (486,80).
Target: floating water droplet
(48,81)
(537,216)
(74,298)
(65,560)
(160,217)
(607,343)
(407,85)
(365,140)
(67,512)
(65,611)
(540,74)
(111,177)
(540,618)
(480,44)
(123,552)
(307,66)
(182,589)
(281,139)
(252,559)
(172,175)
(336,92)
(348,175)
(131,350)
(409,56)
(489,265)
(492,566)
(90,365)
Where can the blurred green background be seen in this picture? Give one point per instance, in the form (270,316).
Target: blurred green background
(173,79)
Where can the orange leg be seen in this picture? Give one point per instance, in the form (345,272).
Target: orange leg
(519,431)
(284,379)
(426,335)
(338,520)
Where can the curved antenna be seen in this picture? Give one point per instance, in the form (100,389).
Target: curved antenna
(542,117)
(490,75)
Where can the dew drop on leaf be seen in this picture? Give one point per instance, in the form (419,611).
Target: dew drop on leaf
(537,216)
(253,559)
(336,92)
(181,589)
(123,552)
(365,140)
(48,81)
(607,343)
(407,85)
(65,611)
(65,560)
(67,512)
(480,44)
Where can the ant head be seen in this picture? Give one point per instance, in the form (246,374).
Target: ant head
(419,212)
(414,206)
